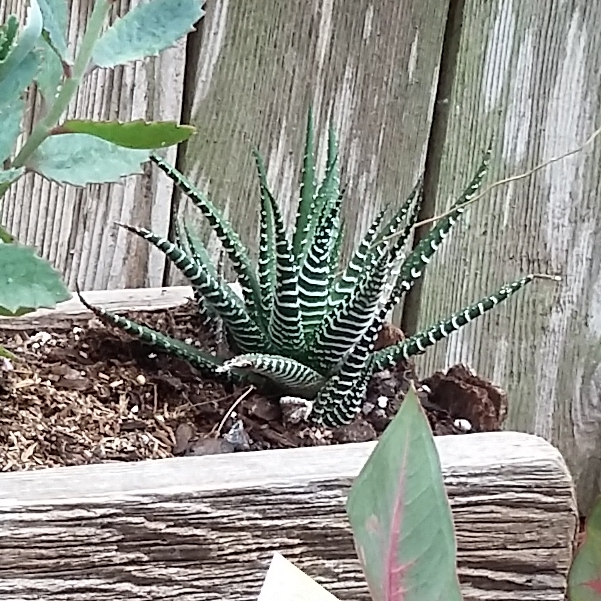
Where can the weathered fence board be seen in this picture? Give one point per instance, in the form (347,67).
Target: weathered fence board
(371,67)
(528,74)
(204,528)
(75,227)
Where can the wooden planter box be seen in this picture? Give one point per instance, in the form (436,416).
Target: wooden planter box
(204,528)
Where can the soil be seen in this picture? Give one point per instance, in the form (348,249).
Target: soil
(88,394)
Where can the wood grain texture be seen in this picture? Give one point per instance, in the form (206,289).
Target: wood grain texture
(528,75)
(71,311)
(204,528)
(75,227)
(369,66)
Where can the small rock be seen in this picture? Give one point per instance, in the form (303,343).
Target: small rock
(267,410)
(357,431)
(238,437)
(183,435)
(463,424)
(295,409)
(210,446)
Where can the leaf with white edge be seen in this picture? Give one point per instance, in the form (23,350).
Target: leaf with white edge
(50,76)
(28,282)
(400,514)
(10,118)
(79,159)
(286,582)
(584,578)
(28,38)
(56,20)
(134,134)
(20,79)
(146,30)
(11,175)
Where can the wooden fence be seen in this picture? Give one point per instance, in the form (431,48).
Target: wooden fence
(412,86)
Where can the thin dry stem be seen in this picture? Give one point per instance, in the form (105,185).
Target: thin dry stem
(217,432)
(515,178)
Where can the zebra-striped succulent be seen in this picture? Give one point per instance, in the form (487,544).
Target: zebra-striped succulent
(303,322)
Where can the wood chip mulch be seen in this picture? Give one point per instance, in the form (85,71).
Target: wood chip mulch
(83,393)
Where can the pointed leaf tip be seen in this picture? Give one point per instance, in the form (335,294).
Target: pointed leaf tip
(138,134)
(401,517)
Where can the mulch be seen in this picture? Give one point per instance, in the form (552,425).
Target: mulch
(89,394)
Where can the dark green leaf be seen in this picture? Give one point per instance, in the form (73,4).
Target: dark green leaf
(28,282)
(79,159)
(135,134)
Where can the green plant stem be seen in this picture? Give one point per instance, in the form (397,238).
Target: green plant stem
(43,128)
(7,354)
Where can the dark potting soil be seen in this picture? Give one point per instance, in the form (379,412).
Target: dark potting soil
(89,394)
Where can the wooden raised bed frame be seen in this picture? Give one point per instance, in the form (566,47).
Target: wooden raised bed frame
(204,528)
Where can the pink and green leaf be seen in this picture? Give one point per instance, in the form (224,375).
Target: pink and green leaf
(584,580)
(400,515)
(139,134)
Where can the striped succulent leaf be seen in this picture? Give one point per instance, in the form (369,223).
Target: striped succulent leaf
(267,242)
(288,375)
(314,274)
(406,216)
(327,196)
(418,343)
(203,361)
(307,191)
(226,234)
(374,243)
(342,327)
(216,293)
(347,281)
(335,255)
(413,267)
(285,325)
(341,398)
(193,245)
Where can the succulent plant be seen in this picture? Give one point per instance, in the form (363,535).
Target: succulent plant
(304,322)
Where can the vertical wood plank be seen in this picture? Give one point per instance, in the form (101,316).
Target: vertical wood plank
(528,74)
(75,227)
(371,66)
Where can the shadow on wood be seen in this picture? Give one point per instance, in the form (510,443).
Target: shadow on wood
(204,528)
